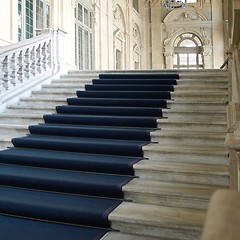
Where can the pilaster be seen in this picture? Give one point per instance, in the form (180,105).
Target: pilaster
(218,37)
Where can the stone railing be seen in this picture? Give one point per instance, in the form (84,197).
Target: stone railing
(232,141)
(25,64)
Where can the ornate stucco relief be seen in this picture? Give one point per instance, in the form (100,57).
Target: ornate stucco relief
(189,20)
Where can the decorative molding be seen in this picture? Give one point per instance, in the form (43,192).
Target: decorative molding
(185,15)
(118,18)
(188,16)
(74,3)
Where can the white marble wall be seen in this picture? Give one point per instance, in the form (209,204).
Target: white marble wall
(139,35)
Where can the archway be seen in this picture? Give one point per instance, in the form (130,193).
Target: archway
(119,37)
(188,52)
(193,28)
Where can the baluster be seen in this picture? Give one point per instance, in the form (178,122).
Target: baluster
(27,64)
(49,54)
(12,65)
(44,60)
(20,67)
(38,57)
(5,67)
(33,61)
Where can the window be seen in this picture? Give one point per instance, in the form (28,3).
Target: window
(188,52)
(136,5)
(29,19)
(33,17)
(118,59)
(83,37)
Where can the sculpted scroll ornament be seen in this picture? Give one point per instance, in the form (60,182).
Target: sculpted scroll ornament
(188,16)
(117,15)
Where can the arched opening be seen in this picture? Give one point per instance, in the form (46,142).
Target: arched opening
(188,52)
(119,38)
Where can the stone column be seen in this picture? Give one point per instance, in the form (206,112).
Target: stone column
(157,42)
(218,38)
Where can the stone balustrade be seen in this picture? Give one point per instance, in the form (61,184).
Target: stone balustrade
(232,141)
(24,64)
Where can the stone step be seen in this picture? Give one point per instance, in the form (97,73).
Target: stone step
(80,75)
(21,119)
(199,95)
(5,143)
(184,105)
(114,235)
(73,86)
(13,130)
(170,137)
(198,99)
(171,194)
(158,221)
(183,86)
(187,125)
(55,95)
(71,81)
(210,81)
(50,102)
(193,100)
(167,171)
(30,109)
(186,154)
(195,114)
(58,90)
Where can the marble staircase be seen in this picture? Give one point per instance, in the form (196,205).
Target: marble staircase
(185,163)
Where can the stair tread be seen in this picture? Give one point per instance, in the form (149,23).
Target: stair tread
(152,187)
(199,93)
(195,168)
(187,134)
(145,214)
(184,148)
(31,107)
(17,126)
(120,236)
(190,121)
(21,115)
(200,111)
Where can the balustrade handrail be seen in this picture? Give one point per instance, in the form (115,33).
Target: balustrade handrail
(225,63)
(27,63)
(13,47)
(232,141)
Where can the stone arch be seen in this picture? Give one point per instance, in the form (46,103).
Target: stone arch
(119,37)
(192,21)
(137,45)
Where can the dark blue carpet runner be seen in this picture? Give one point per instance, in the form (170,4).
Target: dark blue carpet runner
(62,180)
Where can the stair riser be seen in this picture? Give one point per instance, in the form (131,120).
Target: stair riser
(185,157)
(5,144)
(61,91)
(38,102)
(165,231)
(199,99)
(198,107)
(168,201)
(61,86)
(188,141)
(195,116)
(6,132)
(201,87)
(157,175)
(21,121)
(122,236)
(28,111)
(192,127)
(53,95)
